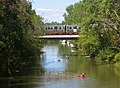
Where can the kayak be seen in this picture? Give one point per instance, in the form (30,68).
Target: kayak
(80,77)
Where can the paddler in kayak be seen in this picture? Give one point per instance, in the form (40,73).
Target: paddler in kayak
(82,75)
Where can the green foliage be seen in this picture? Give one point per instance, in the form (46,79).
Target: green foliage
(117,58)
(105,55)
(100,27)
(18,23)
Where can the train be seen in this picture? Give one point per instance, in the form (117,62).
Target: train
(61,30)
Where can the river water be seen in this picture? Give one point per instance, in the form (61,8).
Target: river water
(61,71)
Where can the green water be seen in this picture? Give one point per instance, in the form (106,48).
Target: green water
(60,72)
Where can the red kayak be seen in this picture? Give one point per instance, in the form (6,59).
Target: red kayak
(80,77)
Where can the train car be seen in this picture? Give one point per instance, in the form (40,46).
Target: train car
(54,30)
(72,29)
(61,29)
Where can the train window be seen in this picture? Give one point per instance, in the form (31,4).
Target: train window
(60,28)
(79,27)
(48,27)
(55,27)
(70,27)
(51,28)
(75,27)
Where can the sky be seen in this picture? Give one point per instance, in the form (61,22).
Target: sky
(51,10)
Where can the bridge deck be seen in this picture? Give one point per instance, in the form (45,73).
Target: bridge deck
(59,37)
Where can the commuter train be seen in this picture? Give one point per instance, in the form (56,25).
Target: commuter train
(61,30)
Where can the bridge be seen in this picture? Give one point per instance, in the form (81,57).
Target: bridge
(59,37)
(61,32)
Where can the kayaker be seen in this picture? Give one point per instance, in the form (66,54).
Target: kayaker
(82,75)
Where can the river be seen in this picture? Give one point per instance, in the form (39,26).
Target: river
(61,71)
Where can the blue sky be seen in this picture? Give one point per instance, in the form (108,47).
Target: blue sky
(52,10)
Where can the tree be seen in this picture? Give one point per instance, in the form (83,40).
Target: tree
(100,27)
(17,20)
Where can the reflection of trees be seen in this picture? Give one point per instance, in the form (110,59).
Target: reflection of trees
(30,77)
(64,50)
(51,42)
(104,73)
(27,78)
(78,65)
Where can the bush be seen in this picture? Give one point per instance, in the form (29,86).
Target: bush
(117,58)
(106,55)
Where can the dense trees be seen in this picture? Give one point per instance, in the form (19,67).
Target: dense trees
(99,36)
(18,25)
(100,28)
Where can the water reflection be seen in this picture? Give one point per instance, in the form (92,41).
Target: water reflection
(29,78)
(98,76)
(53,61)
(61,72)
